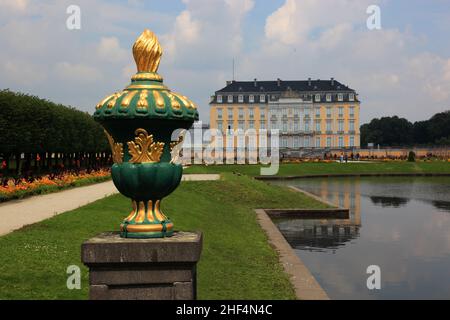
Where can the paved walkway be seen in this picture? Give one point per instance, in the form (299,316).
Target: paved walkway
(18,213)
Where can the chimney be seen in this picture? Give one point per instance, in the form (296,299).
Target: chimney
(228,83)
(309,82)
(256,84)
(332,81)
(279,82)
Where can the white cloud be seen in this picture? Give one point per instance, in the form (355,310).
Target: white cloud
(77,72)
(16,5)
(393,69)
(109,49)
(388,67)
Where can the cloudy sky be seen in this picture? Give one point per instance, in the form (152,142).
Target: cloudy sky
(402,69)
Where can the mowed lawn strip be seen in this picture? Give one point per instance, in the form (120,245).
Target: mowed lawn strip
(237,261)
(321,168)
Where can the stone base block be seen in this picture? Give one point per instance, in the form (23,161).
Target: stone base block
(157,269)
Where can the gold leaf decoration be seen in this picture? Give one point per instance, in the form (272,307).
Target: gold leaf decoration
(174,102)
(146,76)
(126,101)
(158,99)
(143,103)
(112,103)
(116,149)
(143,149)
(188,103)
(101,103)
(147,52)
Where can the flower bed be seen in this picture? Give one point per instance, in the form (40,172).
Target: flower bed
(48,183)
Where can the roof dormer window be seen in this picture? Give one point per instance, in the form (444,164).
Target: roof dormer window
(241,98)
(219,98)
(230,99)
(251,98)
(317,98)
(340,97)
(328,97)
(351,97)
(262,98)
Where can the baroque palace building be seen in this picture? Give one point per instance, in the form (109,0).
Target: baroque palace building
(309,114)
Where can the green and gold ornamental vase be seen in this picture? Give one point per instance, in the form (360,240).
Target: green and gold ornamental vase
(139,122)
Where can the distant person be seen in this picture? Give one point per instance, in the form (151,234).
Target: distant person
(341,159)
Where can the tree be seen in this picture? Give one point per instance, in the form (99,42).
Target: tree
(395,131)
(387,131)
(31,126)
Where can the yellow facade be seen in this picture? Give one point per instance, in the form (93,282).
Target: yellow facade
(219,114)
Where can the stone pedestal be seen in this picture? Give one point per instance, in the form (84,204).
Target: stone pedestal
(155,269)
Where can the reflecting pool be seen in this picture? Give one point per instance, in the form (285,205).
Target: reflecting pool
(401,224)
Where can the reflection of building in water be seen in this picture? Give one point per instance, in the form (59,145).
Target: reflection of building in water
(316,234)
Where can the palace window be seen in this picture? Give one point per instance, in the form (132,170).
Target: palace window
(262,115)
(241,125)
(329,142)
(328,97)
(262,124)
(307,142)
(219,98)
(230,113)
(352,141)
(352,125)
(296,125)
(352,112)
(251,124)
(296,141)
(328,112)
(328,125)
(219,126)
(284,126)
(251,98)
(317,142)
(351,97)
(230,99)
(241,98)
(262,98)
(317,112)
(340,97)
(241,113)
(341,142)
(250,113)
(341,126)
(307,126)
(318,126)
(341,112)
(219,113)
(317,98)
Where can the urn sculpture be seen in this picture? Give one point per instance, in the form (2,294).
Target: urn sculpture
(139,122)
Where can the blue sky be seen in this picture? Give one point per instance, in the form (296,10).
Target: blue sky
(402,69)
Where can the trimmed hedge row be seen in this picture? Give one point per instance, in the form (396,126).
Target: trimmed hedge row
(32,130)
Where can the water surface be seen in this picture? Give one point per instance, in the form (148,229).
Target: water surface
(401,224)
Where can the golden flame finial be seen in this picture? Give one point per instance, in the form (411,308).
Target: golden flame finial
(147,52)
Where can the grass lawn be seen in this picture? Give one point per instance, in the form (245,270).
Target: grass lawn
(312,168)
(237,261)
